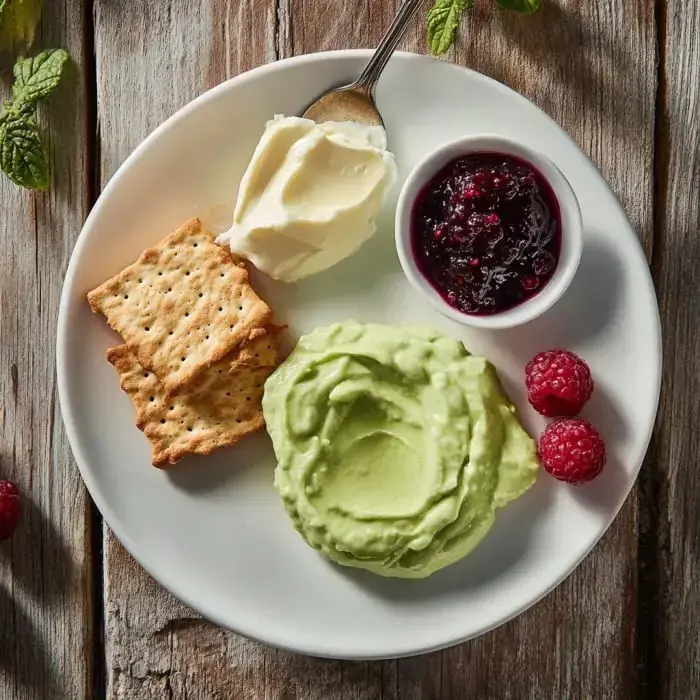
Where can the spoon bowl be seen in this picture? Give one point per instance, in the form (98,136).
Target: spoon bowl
(355,102)
(350,103)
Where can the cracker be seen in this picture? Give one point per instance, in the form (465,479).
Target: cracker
(182,306)
(219,408)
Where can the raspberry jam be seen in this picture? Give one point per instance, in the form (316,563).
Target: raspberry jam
(486,232)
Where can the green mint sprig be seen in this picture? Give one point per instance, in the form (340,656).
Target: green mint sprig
(23,156)
(444,17)
(442,23)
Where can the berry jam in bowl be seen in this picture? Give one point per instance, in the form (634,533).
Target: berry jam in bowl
(489,231)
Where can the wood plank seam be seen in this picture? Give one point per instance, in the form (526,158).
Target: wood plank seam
(98,685)
(673,536)
(650,483)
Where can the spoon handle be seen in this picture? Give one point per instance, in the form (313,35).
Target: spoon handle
(370,75)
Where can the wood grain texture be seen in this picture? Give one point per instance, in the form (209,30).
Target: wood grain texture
(45,569)
(589,65)
(155,647)
(672,531)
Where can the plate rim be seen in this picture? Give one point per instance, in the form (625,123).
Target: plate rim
(70,422)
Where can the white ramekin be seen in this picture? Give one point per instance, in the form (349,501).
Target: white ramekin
(571,229)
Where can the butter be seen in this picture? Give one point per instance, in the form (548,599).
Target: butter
(310,196)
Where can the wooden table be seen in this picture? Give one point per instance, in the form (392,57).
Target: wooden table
(80,620)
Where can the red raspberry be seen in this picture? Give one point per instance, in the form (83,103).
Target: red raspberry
(10,509)
(558,383)
(571,450)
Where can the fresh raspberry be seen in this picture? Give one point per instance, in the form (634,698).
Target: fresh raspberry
(571,450)
(10,509)
(558,383)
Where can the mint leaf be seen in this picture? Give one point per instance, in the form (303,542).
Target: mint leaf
(18,22)
(442,23)
(23,157)
(526,7)
(36,78)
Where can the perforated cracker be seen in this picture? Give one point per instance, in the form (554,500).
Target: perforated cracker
(182,306)
(220,407)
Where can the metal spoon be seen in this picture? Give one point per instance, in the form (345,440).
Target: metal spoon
(355,102)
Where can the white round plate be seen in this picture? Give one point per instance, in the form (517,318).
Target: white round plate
(212,530)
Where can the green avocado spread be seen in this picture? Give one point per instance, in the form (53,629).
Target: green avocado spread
(394,445)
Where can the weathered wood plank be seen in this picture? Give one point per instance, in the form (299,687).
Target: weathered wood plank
(159,648)
(590,66)
(45,569)
(155,647)
(673,488)
(604,96)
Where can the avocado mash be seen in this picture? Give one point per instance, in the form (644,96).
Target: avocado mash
(394,446)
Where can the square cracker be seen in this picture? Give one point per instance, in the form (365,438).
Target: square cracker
(182,306)
(219,408)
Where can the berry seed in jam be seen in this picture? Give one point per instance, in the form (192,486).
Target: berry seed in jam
(486,232)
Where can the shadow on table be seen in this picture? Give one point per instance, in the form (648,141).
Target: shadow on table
(45,574)
(35,674)
(545,42)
